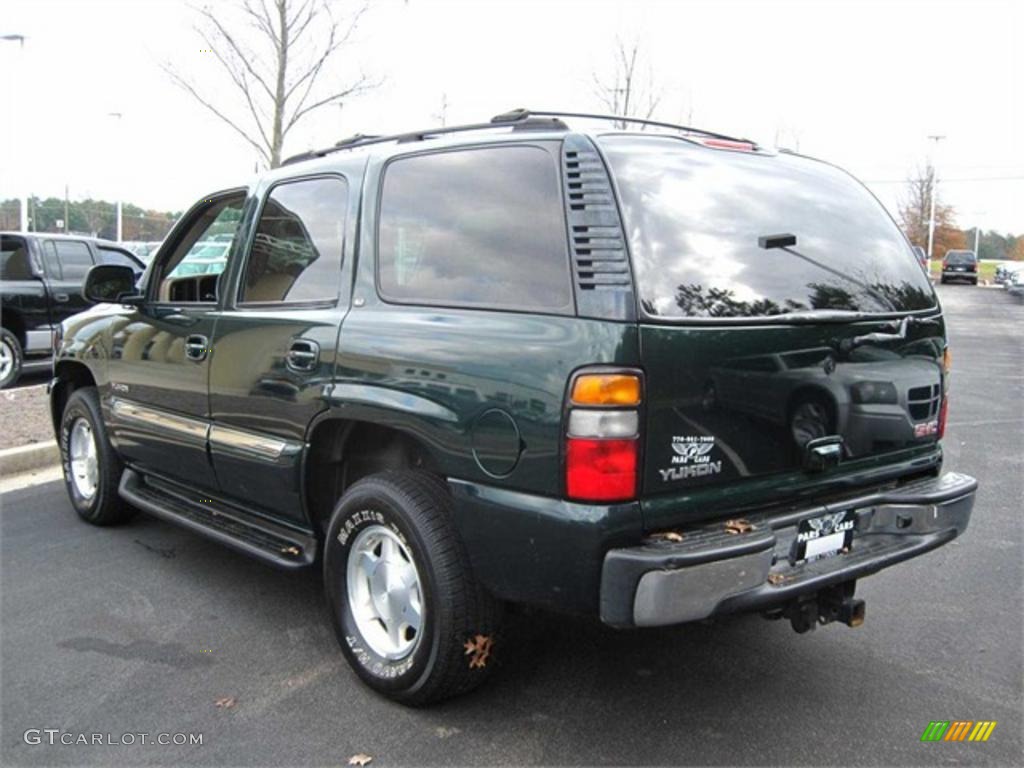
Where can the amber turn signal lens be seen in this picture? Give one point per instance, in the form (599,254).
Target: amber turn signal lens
(606,389)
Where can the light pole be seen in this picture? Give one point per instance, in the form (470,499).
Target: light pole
(118,115)
(23,199)
(931,194)
(978,216)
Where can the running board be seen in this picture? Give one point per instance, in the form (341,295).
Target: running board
(274,544)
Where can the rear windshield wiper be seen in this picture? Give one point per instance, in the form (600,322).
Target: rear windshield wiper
(786,241)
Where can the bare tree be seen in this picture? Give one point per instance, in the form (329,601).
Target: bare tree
(627,91)
(282,63)
(915,209)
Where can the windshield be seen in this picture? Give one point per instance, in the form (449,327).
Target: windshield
(694,217)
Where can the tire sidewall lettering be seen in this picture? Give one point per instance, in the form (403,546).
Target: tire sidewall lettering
(373,664)
(71,414)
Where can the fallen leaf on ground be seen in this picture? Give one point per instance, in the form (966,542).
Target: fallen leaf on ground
(360,759)
(226,702)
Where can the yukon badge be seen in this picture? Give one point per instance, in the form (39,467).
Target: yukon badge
(691,458)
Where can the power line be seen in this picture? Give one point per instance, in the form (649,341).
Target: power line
(947,181)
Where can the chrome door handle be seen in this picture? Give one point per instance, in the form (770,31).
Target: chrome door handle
(303,356)
(197,348)
(61,297)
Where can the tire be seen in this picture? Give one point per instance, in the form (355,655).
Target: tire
(810,417)
(449,652)
(942,280)
(80,423)
(11,358)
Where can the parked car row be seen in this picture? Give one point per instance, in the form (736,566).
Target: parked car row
(1005,273)
(40,286)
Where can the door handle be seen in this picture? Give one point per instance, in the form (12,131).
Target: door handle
(303,356)
(61,297)
(197,348)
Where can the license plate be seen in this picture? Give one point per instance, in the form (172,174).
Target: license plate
(824,536)
(959,269)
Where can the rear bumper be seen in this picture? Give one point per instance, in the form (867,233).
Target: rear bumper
(712,571)
(960,274)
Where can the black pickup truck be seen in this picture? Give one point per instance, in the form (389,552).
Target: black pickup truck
(41,285)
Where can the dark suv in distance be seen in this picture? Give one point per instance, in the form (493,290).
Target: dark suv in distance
(960,265)
(645,377)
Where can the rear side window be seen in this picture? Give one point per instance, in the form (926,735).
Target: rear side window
(51,261)
(14,260)
(475,227)
(297,250)
(694,216)
(75,259)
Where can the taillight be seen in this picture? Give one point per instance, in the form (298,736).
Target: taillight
(947,369)
(602,441)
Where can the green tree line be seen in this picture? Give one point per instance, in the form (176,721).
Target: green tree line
(97,218)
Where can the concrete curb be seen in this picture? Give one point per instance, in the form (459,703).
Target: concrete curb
(28,458)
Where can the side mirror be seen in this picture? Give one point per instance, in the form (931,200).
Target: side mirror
(112,283)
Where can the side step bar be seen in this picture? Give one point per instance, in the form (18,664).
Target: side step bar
(274,544)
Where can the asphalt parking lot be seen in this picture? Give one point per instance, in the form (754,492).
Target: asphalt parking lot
(144,628)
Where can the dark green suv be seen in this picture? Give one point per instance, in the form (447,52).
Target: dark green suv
(650,377)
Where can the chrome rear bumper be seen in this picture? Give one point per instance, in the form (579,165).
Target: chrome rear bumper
(712,570)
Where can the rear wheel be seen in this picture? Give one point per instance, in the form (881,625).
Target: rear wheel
(92,470)
(410,618)
(10,358)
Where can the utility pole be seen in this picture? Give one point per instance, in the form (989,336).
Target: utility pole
(118,115)
(931,194)
(18,76)
(66,219)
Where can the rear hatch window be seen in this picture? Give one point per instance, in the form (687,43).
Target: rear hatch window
(960,257)
(695,215)
(754,358)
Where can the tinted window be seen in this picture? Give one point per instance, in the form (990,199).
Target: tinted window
(476,227)
(296,252)
(694,216)
(14,260)
(960,257)
(75,259)
(50,260)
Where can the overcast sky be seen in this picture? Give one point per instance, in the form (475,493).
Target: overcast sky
(861,84)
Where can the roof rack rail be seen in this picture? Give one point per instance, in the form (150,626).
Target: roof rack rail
(523,114)
(361,140)
(517,119)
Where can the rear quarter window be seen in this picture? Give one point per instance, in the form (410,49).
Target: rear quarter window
(479,227)
(694,216)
